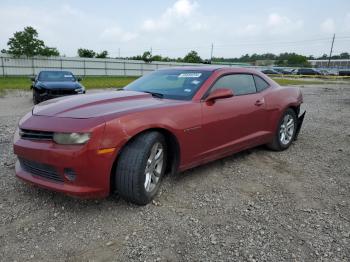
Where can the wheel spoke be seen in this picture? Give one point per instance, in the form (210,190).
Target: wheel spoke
(154,167)
(283,135)
(158,154)
(147,181)
(158,160)
(155,178)
(153,152)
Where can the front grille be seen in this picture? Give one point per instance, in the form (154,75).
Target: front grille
(35,135)
(40,170)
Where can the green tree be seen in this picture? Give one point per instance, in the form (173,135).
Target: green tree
(157,58)
(49,51)
(344,55)
(83,52)
(103,54)
(192,57)
(147,57)
(27,43)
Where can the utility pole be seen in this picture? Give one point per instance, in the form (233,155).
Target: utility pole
(211,52)
(119,52)
(330,54)
(151,50)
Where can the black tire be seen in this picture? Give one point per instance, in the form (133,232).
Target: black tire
(276,144)
(36,97)
(130,173)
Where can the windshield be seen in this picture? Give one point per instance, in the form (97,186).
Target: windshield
(171,83)
(56,76)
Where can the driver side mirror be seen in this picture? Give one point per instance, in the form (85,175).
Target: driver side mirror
(79,79)
(219,93)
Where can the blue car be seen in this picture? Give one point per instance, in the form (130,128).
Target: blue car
(52,84)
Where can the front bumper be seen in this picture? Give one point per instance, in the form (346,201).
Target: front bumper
(46,94)
(92,171)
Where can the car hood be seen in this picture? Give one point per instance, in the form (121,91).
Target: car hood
(58,85)
(99,104)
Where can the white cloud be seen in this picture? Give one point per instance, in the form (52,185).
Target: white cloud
(183,8)
(347,22)
(328,25)
(249,30)
(181,11)
(117,34)
(65,27)
(278,24)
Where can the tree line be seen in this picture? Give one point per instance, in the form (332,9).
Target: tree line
(27,43)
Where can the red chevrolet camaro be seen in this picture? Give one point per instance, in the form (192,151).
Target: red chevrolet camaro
(165,122)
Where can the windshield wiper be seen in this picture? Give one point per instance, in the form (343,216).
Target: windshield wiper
(154,94)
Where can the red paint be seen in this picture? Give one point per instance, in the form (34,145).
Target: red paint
(205,130)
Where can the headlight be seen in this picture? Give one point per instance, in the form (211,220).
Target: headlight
(71,138)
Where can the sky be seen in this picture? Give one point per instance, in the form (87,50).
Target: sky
(175,27)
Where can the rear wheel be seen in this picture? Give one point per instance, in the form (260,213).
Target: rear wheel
(140,168)
(285,132)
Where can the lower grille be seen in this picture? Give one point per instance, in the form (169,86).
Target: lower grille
(35,135)
(61,92)
(41,170)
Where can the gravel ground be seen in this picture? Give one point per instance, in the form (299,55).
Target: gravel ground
(257,205)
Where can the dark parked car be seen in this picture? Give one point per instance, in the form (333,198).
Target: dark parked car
(52,84)
(344,73)
(308,71)
(271,72)
(283,71)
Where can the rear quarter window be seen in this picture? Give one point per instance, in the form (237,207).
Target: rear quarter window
(260,83)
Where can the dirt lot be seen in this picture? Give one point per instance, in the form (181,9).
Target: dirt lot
(257,205)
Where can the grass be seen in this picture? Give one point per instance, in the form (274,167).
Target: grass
(289,82)
(23,83)
(8,83)
(107,81)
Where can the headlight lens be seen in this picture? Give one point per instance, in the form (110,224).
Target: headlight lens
(71,138)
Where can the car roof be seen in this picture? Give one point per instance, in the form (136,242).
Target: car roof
(213,68)
(202,68)
(49,71)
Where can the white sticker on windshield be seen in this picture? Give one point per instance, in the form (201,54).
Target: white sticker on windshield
(190,75)
(67,75)
(187,90)
(195,82)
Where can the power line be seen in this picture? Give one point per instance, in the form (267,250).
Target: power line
(330,54)
(313,41)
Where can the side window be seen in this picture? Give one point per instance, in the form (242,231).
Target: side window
(240,84)
(260,83)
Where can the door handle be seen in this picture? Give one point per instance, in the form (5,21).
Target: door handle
(260,102)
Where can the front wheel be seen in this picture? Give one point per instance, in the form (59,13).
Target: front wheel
(140,168)
(285,132)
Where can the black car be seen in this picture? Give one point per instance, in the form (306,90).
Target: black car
(270,72)
(308,71)
(52,84)
(344,73)
(283,71)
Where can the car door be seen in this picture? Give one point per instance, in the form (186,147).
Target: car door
(235,123)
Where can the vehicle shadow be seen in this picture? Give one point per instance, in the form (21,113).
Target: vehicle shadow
(199,170)
(71,204)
